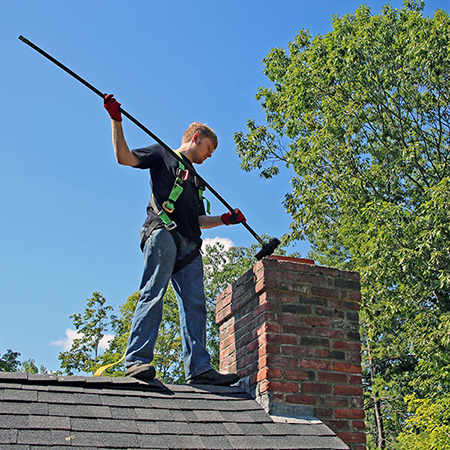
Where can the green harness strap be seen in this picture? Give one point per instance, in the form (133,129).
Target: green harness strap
(169,205)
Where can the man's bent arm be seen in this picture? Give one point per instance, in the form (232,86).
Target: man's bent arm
(210,221)
(123,154)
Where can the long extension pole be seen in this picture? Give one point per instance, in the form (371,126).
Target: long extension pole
(268,248)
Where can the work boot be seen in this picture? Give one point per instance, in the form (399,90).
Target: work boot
(214,377)
(144,372)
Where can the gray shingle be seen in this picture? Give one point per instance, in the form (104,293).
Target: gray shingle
(170,428)
(118,425)
(219,428)
(20,395)
(116,400)
(105,440)
(82,424)
(130,415)
(147,427)
(239,442)
(49,422)
(78,411)
(56,397)
(123,413)
(216,443)
(23,408)
(200,429)
(15,447)
(10,422)
(233,429)
(153,414)
(42,437)
(209,416)
(5,436)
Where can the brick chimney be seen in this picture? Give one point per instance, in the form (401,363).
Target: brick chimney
(290,329)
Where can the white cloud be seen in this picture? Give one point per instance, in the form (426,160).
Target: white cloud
(66,343)
(227,243)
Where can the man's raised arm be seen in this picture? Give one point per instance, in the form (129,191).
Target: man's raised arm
(123,154)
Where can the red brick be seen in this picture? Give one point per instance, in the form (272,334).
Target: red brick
(345,345)
(359,424)
(298,330)
(298,399)
(354,358)
(315,364)
(282,387)
(269,373)
(345,367)
(322,413)
(352,438)
(325,292)
(295,350)
(278,361)
(252,346)
(332,377)
(349,414)
(318,388)
(335,334)
(355,379)
(342,345)
(348,390)
(269,328)
(354,295)
(357,402)
(299,375)
(281,339)
(314,321)
(268,349)
(338,425)
(333,401)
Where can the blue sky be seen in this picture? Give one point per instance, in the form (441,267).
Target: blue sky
(70,213)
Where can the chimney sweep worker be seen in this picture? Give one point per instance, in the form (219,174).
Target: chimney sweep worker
(170,242)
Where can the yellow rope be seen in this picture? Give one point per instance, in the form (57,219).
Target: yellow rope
(100,370)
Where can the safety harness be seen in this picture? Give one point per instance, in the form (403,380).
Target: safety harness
(168,207)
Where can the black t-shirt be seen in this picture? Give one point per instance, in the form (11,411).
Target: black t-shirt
(163,168)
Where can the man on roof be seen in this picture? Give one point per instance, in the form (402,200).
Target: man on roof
(171,241)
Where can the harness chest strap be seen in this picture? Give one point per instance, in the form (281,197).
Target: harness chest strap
(169,205)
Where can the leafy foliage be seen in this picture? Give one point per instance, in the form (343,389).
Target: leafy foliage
(429,426)
(9,362)
(91,327)
(361,117)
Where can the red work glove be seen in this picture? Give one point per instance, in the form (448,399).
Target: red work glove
(231,218)
(113,107)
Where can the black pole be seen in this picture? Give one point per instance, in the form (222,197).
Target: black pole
(269,247)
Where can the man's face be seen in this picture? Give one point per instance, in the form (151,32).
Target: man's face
(204,149)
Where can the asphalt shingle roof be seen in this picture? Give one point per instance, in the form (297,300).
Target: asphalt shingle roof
(87,413)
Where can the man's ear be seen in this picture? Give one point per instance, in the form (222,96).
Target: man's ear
(195,138)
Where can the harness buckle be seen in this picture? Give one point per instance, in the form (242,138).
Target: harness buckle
(164,206)
(183,174)
(170,226)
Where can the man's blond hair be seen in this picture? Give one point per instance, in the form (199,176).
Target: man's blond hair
(202,130)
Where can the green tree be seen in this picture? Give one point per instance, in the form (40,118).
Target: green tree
(429,426)
(9,362)
(91,327)
(361,118)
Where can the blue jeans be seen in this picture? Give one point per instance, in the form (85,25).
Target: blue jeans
(160,255)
